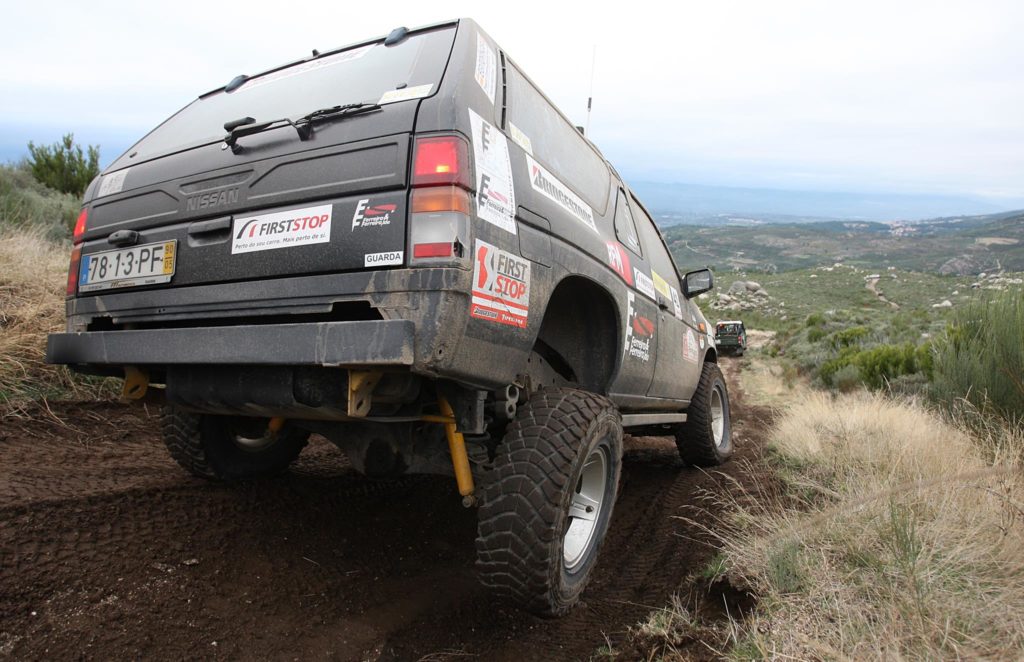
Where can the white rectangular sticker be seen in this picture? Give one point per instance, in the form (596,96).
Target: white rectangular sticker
(501,286)
(496,195)
(677,305)
(644,284)
(486,74)
(282,229)
(546,183)
(383,259)
(690,351)
(520,138)
(406,93)
(112,183)
(318,63)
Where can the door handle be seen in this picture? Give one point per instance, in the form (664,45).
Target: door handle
(662,305)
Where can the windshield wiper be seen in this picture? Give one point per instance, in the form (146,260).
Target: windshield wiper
(247,126)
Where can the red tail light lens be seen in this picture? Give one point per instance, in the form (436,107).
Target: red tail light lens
(76,263)
(437,249)
(441,160)
(83,218)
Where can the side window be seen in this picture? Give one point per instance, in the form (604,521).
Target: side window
(553,141)
(657,252)
(625,226)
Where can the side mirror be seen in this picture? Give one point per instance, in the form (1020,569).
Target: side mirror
(697,282)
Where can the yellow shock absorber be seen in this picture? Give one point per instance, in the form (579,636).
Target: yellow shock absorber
(457,447)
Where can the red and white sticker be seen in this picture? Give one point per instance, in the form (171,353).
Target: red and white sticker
(618,259)
(501,286)
(551,187)
(370,215)
(496,194)
(282,229)
(639,332)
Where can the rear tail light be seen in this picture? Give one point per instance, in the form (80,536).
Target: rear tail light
(76,252)
(441,204)
(83,218)
(76,262)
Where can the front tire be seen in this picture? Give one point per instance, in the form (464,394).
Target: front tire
(229,447)
(548,501)
(705,439)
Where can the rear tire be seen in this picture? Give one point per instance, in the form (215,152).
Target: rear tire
(229,447)
(705,439)
(548,501)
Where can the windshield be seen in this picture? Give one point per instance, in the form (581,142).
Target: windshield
(728,329)
(360,74)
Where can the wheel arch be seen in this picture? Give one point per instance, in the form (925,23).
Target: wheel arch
(580,333)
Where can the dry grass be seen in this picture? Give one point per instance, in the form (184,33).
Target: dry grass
(33,274)
(899,536)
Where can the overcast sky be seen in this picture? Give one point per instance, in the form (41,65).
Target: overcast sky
(924,97)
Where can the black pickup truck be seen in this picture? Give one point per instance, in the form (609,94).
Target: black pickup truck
(404,246)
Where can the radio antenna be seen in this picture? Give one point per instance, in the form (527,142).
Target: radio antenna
(590,99)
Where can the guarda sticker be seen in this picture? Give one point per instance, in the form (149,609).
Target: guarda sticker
(368,215)
(618,259)
(282,229)
(547,184)
(404,94)
(486,73)
(501,286)
(112,183)
(639,332)
(496,195)
(383,259)
(644,284)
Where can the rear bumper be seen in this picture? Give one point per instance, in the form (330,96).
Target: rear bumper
(362,343)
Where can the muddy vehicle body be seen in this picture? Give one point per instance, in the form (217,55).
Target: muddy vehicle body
(731,336)
(401,245)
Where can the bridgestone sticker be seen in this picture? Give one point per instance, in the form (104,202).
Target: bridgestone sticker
(406,93)
(546,183)
(496,195)
(112,183)
(690,351)
(283,229)
(383,259)
(318,63)
(501,286)
(644,284)
(486,74)
(520,138)
(639,332)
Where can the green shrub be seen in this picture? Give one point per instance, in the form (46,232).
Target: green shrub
(25,203)
(815,333)
(815,319)
(981,356)
(850,336)
(879,364)
(63,166)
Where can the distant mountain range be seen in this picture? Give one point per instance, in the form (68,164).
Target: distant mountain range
(952,245)
(721,205)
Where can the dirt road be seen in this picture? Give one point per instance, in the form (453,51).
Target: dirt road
(109,551)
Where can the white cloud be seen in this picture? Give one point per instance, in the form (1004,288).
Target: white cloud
(925,96)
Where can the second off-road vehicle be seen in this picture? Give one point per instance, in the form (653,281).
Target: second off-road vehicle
(401,245)
(731,336)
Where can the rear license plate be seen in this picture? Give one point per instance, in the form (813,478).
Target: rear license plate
(148,264)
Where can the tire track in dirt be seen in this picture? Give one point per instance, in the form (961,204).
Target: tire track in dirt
(107,550)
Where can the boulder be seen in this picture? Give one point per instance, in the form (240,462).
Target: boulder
(738,287)
(945,304)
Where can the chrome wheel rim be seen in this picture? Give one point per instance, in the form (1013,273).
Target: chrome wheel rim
(717,417)
(585,508)
(254,444)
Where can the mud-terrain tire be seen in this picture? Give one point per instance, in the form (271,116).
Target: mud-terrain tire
(561,455)
(209,446)
(705,439)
